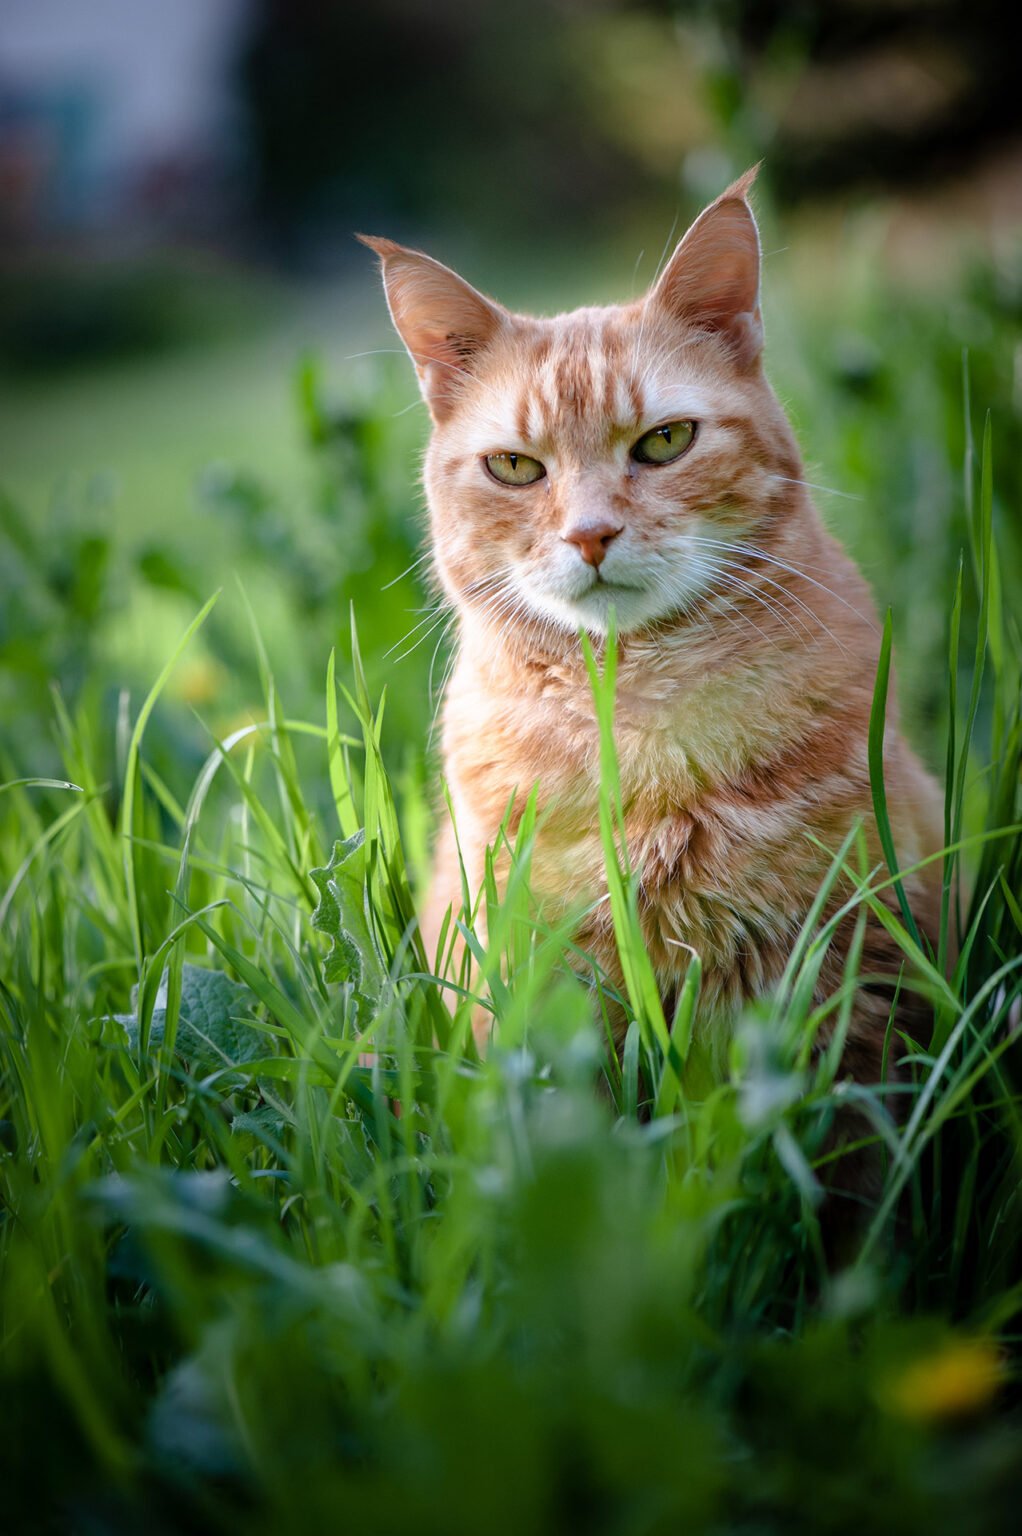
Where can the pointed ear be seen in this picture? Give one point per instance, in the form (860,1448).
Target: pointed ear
(712,280)
(442,320)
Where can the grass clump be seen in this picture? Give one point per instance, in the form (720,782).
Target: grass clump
(279,1251)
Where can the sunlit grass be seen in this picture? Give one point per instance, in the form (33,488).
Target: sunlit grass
(279,1249)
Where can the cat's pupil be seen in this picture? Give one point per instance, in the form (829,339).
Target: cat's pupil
(665,433)
(514,461)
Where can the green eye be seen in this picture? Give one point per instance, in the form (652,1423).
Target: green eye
(514,468)
(664,443)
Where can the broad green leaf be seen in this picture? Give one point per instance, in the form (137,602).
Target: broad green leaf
(211,1030)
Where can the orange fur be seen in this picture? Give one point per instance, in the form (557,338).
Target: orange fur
(748,641)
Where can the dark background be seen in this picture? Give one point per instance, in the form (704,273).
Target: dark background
(274,127)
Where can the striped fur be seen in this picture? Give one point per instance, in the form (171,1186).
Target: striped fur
(748,642)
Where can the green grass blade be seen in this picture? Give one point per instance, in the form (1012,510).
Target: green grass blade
(877,729)
(127,815)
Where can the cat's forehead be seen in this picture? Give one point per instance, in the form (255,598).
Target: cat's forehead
(585,374)
(575,353)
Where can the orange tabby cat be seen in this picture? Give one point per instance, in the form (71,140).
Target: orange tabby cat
(635,458)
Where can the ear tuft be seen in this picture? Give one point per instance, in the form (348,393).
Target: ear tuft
(712,280)
(442,320)
(743,185)
(380,244)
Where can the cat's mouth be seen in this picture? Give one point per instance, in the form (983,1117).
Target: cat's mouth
(604,594)
(587,597)
(606,585)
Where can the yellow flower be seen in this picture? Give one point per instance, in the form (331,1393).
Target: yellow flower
(960,1378)
(199,681)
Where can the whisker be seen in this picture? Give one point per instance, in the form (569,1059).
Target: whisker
(440,693)
(781,611)
(793,597)
(426,555)
(635,269)
(433,617)
(739,613)
(828,490)
(444,620)
(762,554)
(376,352)
(414,405)
(432,667)
(772,606)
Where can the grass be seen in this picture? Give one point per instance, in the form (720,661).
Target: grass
(279,1251)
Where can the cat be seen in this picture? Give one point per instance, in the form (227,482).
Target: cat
(635,459)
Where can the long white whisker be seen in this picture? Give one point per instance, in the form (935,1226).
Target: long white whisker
(434,616)
(771,605)
(792,597)
(739,613)
(419,560)
(441,691)
(422,638)
(749,550)
(828,490)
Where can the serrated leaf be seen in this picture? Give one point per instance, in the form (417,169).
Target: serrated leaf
(341,914)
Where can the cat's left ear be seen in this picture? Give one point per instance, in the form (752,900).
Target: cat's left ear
(712,280)
(442,320)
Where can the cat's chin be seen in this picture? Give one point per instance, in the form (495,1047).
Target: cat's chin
(632,608)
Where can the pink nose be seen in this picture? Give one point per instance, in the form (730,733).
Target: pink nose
(592,540)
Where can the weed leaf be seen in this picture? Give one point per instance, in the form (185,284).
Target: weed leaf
(341,914)
(211,1029)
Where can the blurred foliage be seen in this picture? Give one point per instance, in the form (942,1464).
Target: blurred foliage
(590,115)
(345,118)
(65,315)
(874,92)
(891,405)
(73,595)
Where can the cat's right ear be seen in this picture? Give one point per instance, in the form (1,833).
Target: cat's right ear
(442,320)
(712,280)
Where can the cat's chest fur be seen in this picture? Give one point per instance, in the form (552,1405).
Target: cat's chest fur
(716,801)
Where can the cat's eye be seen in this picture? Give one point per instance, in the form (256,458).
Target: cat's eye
(664,443)
(514,468)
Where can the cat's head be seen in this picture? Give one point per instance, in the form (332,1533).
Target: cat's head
(604,458)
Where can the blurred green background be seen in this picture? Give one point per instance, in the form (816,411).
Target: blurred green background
(198,383)
(231,1303)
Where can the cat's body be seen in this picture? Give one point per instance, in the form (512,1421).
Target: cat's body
(719,820)
(748,640)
